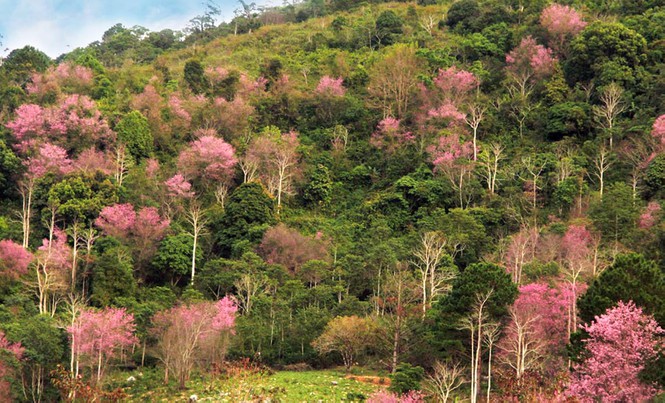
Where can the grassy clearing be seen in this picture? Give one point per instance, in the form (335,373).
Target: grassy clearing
(282,386)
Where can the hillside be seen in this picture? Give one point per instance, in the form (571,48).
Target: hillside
(464,193)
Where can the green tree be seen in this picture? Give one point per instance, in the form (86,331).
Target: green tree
(174,256)
(630,278)
(195,77)
(388,27)
(603,46)
(134,132)
(247,215)
(112,275)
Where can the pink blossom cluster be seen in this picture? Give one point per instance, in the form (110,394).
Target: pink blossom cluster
(102,333)
(649,216)
(211,318)
(383,396)
(620,343)
(560,20)
(449,150)
(121,221)
(658,131)
(14,259)
(331,86)
(64,74)
(530,59)
(209,157)
(178,186)
(55,253)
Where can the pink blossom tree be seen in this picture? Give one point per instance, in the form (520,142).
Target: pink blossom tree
(389,137)
(529,62)
(98,336)
(562,23)
(15,352)
(193,333)
(209,157)
(49,158)
(536,336)
(14,259)
(451,157)
(658,131)
(329,86)
(620,342)
(65,76)
(53,260)
(117,220)
(177,186)
(91,160)
(650,215)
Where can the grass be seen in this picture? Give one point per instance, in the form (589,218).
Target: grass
(282,386)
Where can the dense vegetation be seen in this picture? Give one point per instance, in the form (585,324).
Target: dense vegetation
(466,194)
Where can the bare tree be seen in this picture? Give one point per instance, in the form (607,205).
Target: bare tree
(489,161)
(534,169)
(434,280)
(474,117)
(602,163)
(475,323)
(445,379)
(394,79)
(611,107)
(196,217)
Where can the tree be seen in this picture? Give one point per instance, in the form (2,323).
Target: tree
(602,47)
(630,277)
(134,133)
(577,257)
(288,247)
(452,157)
(430,255)
(445,379)
(195,77)
(536,334)
(209,157)
(10,354)
(348,335)
(14,259)
(97,336)
(388,26)
(189,332)
(278,156)
(610,108)
(394,80)
(527,63)
(389,137)
(620,343)
(562,23)
(332,87)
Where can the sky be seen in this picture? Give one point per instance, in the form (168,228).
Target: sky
(59,26)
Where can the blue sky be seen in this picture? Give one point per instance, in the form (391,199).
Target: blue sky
(58,26)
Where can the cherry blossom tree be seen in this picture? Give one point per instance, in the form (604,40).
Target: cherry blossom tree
(329,86)
(68,76)
(528,62)
(14,259)
(658,131)
(98,336)
(389,137)
(177,186)
(15,351)
(562,23)
(451,157)
(117,220)
(620,342)
(91,160)
(209,157)
(53,260)
(650,215)
(184,331)
(536,335)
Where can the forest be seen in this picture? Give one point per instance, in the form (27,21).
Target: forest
(455,200)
